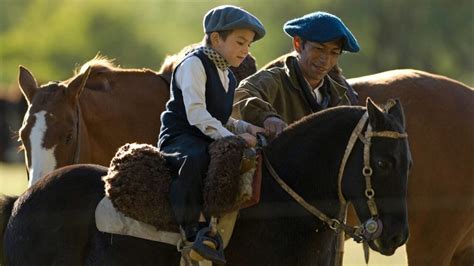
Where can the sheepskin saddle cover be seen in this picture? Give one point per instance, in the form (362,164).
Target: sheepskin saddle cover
(138,182)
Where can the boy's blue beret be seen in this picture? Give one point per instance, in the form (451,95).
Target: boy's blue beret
(322,27)
(229,17)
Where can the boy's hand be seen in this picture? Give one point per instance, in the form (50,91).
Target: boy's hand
(251,140)
(251,129)
(273,126)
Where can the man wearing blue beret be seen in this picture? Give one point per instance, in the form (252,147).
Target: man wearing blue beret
(300,84)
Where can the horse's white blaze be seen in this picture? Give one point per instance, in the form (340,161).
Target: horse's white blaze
(42,160)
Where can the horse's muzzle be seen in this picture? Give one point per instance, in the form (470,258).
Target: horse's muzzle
(388,246)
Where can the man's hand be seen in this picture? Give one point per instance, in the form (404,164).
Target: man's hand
(273,126)
(251,140)
(251,129)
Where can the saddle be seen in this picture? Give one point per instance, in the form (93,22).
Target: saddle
(137,187)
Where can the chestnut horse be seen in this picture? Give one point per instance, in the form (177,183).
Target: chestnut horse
(439,120)
(52,223)
(85,119)
(437,110)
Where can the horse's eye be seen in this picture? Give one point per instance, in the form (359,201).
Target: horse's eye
(384,165)
(68,138)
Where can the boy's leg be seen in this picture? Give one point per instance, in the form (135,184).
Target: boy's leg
(190,156)
(191,159)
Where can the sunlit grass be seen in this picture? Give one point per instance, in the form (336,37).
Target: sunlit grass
(13,180)
(354,256)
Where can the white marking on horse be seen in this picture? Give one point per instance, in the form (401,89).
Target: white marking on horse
(42,160)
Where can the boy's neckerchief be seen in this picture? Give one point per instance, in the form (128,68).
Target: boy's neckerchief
(215,57)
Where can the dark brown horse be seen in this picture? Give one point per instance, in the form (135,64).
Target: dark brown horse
(52,223)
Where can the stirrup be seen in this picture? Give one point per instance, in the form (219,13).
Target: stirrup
(215,255)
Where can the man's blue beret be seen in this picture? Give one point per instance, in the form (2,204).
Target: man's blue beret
(229,17)
(322,27)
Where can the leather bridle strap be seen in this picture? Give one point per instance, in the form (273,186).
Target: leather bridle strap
(295,195)
(371,228)
(334,224)
(358,233)
(350,145)
(372,224)
(367,170)
(77,152)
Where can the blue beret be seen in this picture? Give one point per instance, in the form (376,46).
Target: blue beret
(229,17)
(322,27)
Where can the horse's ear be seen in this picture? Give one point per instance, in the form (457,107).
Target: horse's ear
(376,115)
(28,84)
(397,112)
(76,86)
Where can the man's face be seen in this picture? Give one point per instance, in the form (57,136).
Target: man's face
(317,59)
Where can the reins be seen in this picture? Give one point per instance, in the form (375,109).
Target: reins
(372,228)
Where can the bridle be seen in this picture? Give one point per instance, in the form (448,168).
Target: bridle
(370,229)
(77,152)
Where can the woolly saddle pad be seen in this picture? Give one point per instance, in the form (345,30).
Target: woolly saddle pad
(138,182)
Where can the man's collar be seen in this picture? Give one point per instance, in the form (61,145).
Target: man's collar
(320,84)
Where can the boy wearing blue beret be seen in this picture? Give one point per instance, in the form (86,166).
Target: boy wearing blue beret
(198,112)
(300,85)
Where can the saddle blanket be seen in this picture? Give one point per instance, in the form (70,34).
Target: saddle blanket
(110,220)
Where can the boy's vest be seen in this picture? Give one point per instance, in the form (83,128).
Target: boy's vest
(174,120)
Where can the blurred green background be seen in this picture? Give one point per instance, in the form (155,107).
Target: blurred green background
(52,37)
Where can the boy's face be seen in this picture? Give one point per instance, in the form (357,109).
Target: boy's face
(236,46)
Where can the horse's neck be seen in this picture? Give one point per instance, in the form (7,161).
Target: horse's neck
(128,112)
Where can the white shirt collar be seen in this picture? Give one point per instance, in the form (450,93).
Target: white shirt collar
(315,91)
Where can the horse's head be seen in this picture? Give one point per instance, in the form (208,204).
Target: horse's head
(49,133)
(383,179)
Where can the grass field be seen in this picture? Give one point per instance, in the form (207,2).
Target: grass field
(13,182)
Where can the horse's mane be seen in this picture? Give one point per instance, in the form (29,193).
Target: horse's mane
(171,61)
(247,68)
(313,122)
(99,63)
(326,114)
